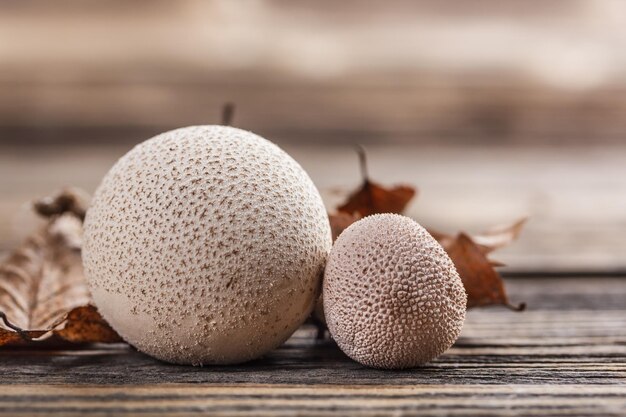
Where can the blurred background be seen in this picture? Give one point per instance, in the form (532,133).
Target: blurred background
(494,109)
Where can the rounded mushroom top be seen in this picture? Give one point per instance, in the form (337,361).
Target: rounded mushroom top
(392,297)
(206,244)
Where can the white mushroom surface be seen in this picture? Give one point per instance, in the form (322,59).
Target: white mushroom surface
(392,297)
(206,245)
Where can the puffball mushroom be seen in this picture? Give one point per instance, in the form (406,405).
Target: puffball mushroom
(392,297)
(206,245)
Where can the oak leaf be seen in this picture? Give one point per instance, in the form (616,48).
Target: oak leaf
(43,293)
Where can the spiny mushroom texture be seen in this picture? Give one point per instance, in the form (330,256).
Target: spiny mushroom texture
(206,245)
(392,297)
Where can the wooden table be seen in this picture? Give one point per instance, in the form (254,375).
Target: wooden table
(566,355)
(575,196)
(489,126)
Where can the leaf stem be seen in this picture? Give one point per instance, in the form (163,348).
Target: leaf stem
(11,326)
(519,307)
(363,163)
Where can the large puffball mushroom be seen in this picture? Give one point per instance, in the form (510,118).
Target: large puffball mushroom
(206,245)
(392,297)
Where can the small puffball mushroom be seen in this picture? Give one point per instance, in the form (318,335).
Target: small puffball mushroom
(392,297)
(206,245)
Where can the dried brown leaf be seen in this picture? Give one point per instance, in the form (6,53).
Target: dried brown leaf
(85,325)
(483,284)
(340,221)
(499,236)
(371,198)
(43,291)
(68,201)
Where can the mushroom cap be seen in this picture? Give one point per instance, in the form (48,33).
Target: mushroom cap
(392,297)
(206,245)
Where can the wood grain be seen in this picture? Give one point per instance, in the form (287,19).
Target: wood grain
(270,400)
(575,197)
(565,356)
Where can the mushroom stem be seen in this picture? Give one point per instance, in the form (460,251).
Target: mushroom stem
(228,112)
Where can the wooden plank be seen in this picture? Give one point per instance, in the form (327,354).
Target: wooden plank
(576,197)
(24,400)
(488,356)
(565,356)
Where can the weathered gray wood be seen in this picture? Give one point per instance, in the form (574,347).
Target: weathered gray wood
(565,356)
(193,400)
